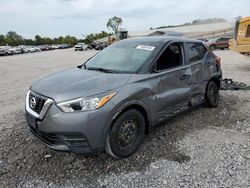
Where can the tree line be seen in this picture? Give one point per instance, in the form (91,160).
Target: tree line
(14,39)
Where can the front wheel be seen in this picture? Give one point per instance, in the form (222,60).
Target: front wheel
(126,134)
(212,95)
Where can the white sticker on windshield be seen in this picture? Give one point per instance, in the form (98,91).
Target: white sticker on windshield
(145,47)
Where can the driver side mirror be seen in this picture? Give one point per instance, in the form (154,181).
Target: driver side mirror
(83,65)
(154,69)
(79,66)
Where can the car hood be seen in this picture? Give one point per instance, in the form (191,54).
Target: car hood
(75,83)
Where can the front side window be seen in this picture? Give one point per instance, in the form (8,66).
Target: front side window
(171,57)
(196,52)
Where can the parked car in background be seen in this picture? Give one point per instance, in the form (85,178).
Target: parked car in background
(6,50)
(202,39)
(113,99)
(81,47)
(55,46)
(45,47)
(101,45)
(15,50)
(2,51)
(92,45)
(21,48)
(64,46)
(218,43)
(11,50)
(31,49)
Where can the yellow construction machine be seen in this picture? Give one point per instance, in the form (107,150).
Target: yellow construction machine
(241,41)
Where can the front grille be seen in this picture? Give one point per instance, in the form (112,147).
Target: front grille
(39,102)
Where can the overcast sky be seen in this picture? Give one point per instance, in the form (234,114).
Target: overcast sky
(61,17)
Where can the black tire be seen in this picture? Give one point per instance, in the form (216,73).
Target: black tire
(212,95)
(126,134)
(212,47)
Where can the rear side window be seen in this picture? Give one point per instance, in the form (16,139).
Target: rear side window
(196,51)
(248,32)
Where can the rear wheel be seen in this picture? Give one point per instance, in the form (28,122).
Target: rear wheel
(126,134)
(212,95)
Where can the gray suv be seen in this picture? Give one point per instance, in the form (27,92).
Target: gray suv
(112,100)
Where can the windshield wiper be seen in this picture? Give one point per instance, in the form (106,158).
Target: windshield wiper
(102,69)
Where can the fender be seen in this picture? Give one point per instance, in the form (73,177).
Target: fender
(118,110)
(131,103)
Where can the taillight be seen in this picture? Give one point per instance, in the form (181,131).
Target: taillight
(218,60)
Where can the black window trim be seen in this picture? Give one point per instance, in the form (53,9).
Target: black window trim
(162,51)
(248,31)
(187,54)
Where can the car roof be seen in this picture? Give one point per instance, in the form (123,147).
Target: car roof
(159,39)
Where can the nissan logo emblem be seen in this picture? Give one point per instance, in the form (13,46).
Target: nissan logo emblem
(33,102)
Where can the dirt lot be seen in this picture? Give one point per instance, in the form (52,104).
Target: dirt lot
(200,148)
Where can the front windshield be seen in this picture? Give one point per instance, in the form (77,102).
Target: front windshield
(124,57)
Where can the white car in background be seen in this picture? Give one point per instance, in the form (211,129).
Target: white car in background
(81,47)
(5,50)
(15,50)
(2,50)
(31,49)
(55,46)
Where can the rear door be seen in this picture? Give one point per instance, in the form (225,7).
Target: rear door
(197,53)
(171,82)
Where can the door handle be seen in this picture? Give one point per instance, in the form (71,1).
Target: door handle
(185,76)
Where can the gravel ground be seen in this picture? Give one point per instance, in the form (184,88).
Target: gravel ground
(199,148)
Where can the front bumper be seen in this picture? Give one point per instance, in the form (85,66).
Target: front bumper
(81,132)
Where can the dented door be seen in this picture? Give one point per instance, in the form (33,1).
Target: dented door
(171,90)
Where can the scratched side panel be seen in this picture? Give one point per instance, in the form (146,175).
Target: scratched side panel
(170,93)
(198,82)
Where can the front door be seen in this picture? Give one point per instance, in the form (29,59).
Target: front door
(171,82)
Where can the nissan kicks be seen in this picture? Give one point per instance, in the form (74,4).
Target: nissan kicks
(111,101)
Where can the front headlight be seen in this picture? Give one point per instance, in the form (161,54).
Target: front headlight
(84,104)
